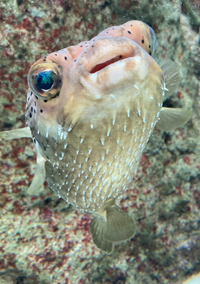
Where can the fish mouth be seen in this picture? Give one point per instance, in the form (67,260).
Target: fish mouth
(100,66)
(110,64)
(107,51)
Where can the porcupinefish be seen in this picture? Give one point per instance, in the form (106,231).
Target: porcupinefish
(90,110)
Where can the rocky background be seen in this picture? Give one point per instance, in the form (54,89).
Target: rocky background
(42,239)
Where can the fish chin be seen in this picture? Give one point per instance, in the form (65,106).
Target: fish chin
(116,75)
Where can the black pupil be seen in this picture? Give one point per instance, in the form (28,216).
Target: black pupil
(45,80)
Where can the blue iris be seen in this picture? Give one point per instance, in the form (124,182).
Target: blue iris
(45,80)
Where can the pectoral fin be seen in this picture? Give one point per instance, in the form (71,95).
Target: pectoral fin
(171,75)
(116,227)
(40,173)
(172,118)
(16,134)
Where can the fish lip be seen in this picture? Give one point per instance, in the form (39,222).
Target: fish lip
(100,66)
(112,77)
(107,51)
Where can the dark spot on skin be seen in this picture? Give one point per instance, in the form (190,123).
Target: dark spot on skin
(44,59)
(149,46)
(31,93)
(45,101)
(34,140)
(107,32)
(59,66)
(92,45)
(41,110)
(150,53)
(28,98)
(56,54)
(34,111)
(131,25)
(113,28)
(30,114)
(142,41)
(129,32)
(75,60)
(31,109)
(81,46)
(120,56)
(36,97)
(35,103)
(65,57)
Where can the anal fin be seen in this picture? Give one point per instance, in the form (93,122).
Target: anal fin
(117,227)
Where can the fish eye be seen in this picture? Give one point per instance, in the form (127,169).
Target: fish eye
(45,79)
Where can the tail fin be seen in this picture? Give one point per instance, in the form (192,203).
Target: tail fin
(117,227)
(97,228)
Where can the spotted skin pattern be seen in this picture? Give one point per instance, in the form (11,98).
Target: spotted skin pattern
(93,132)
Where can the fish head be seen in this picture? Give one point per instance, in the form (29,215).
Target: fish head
(47,77)
(91,86)
(137,31)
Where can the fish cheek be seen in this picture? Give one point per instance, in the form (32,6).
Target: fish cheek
(61,118)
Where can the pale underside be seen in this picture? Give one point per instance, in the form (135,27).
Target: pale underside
(93,163)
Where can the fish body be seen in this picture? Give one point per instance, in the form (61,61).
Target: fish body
(96,133)
(91,109)
(99,124)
